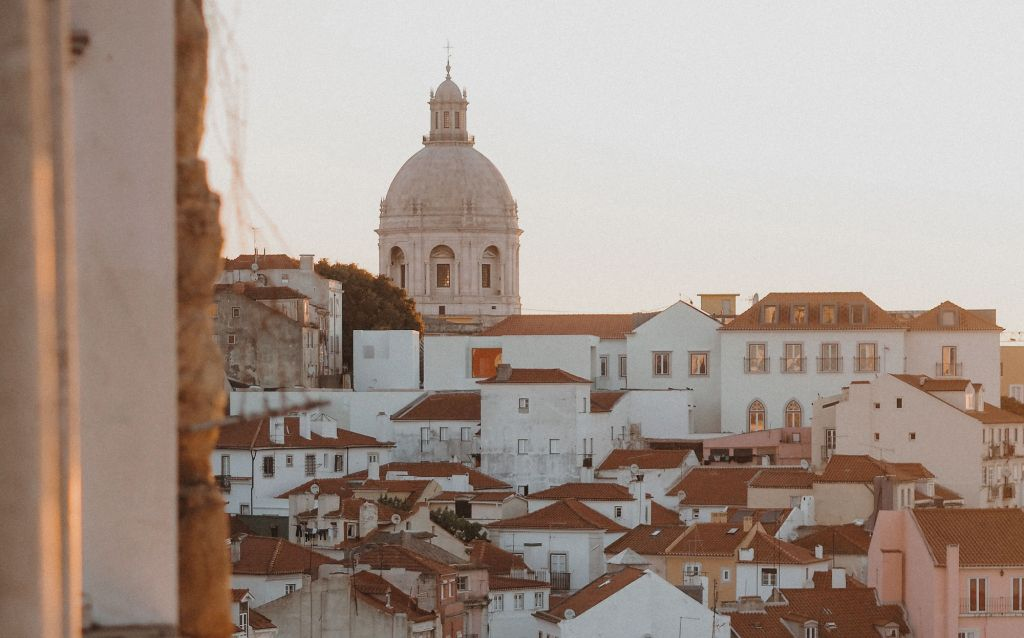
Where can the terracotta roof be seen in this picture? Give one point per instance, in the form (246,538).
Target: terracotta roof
(713,485)
(420,543)
(605,326)
(585,492)
(258,621)
(400,557)
(266,262)
(597,591)
(823,580)
(340,486)
(661,515)
(350,507)
(379,592)
(499,583)
(647,539)
(770,549)
(413,488)
(442,406)
(861,468)
(538,375)
(264,556)
(987,537)
(495,559)
(238,594)
(567,514)
(770,518)
(439,469)
(848,539)
(854,611)
(492,496)
(605,401)
(927,384)
(794,479)
(877,318)
(255,433)
(645,459)
(963,319)
(992,415)
(944,493)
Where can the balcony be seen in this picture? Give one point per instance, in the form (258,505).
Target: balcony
(830,364)
(865,364)
(949,369)
(223,482)
(473,598)
(560,581)
(994,606)
(756,365)
(793,364)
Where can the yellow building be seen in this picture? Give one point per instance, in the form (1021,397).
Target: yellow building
(1011,370)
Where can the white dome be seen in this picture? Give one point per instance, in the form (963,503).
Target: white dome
(446,179)
(448,91)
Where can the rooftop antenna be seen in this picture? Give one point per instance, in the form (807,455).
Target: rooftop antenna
(448,66)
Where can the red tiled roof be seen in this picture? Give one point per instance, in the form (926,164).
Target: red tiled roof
(495,559)
(258,621)
(379,593)
(399,557)
(854,611)
(605,326)
(877,318)
(350,507)
(439,469)
(585,492)
(238,594)
(712,485)
(500,583)
(823,580)
(442,406)
(792,479)
(340,486)
(769,548)
(644,459)
(605,401)
(987,537)
(770,518)
(927,384)
(963,320)
(492,496)
(264,556)
(992,415)
(266,262)
(647,539)
(538,375)
(564,514)
(413,488)
(848,539)
(945,494)
(661,515)
(255,433)
(257,292)
(861,468)
(708,539)
(599,590)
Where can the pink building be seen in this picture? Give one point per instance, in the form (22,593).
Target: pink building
(958,572)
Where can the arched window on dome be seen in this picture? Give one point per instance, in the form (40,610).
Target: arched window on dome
(755,416)
(490,271)
(794,415)
(442,262)
(397,271)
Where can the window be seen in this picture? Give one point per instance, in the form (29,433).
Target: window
(524,404)
(913,436)
(268,466)
(769,576)
(726,575)
(770,314)
(698,364)
(523,490)
(236,312)
(967,633)
(231,340)
(876,436)
(830,439)
(372,458)
(691,569)
(622,370)
(899,403)
(519,601)
(558,563)
(794,415)
(755,416)
(604,365)
(444,275)
(437,120)
(485,362)
(552,446)
(695,513)
(810,631)
(243,509)
(466,434)
(947,318)
(289,588)
(1018,594)
(289,460)
(243,616)
(662,364)
(463,583)
(485,275)
(447,119)
(521,449)
(497,602)
(310,465)
(457,114)
(867,359)
(225,465)
(401,275)
(538,600)
(756,361)
(1017,391)
(441,310)
(339,463)
(948,367)
(443,433)
(829,360)
(793,361)
(858,313)
(977,599)
(828,314)
(798,314)
(618,511)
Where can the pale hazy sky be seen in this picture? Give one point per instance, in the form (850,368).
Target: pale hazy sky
(655,150)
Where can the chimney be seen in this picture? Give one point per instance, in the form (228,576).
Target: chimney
(748,604)
(819,552)
(236,549)
(748,522)
(373,471)
(367,518)
(719,517)
(306,262)
(952,584)
(504,372)
(276,433)
(303,422)
(640,500)
(838,577)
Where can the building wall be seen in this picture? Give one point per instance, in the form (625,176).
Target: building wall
(509,622)
(775,497)
(775,388)
(1011,358)
(977,352)
(680,329)
(713,567)
(612,349)
(412,446)
(748,576)
(584,550)
(265,588)
(385,360)
(921,583)
(840,503)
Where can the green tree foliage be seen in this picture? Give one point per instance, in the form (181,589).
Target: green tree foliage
(395,502)
(369,303)
(1012,405)
(459,527)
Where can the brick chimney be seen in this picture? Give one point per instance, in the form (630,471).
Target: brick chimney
(306,262)
(748,522)
(504,372)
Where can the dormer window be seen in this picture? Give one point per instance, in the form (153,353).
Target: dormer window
(947,318)
(798,313)
(811,630)
(243,615)
(858,314)
(770,314)
(828,314)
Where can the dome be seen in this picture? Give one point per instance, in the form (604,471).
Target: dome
(448,91)
(443,179)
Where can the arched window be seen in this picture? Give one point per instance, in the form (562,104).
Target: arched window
(397,270)
(490,270)
(755,416)
(441,261)
(794,415)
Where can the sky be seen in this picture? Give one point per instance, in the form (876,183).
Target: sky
(656,150)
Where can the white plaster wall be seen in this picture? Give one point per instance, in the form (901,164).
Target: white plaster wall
(613,349)
(385,360)
(630,509)
(680,329)
(661,414)
(410,447)
(510,622)
(748,576)
(265,588)
(775,388)
(584,550)
(978,352)
(656,482)
(123,119)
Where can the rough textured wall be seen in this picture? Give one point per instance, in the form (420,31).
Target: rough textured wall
(202,526)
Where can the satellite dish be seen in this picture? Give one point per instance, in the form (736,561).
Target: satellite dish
(314,489)
(569,614)
(254,266)
(804,464)
(395,519)
(634,469)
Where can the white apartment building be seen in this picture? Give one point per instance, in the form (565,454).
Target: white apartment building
(789,349)
(385,360)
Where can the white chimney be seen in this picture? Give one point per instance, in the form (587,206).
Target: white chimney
(373,471)
(640,501)
(304,430)
(276,430)
(236,549)
(838,578)
(306,262)
(819,552)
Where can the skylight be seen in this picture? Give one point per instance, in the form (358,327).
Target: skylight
(732,530)
(655,532)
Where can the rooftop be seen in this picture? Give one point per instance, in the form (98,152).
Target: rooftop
(264,556)
(715,485)
(266,262)
(605,401)
(963,319)
(852,311)
(604,326)
(255,434)
(585,492)
(495,559)
(439,469)
(853,612)
(861,468)
(793,479)
(595,592)
(535,375)
(442,406)
(647,539)
(644,459)
(568,514)
(386,597)
(848,539)
(987,537)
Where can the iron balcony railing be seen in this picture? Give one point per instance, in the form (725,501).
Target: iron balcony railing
(757,365)
(991,606)
(830,364)
(949,369)
(793,364)
(560,581)
(865,364)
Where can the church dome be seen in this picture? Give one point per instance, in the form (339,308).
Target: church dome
(448,91)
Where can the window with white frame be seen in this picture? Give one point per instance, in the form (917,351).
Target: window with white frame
(755,416)
(793,361)
(662,363)
(268,467)
(1017,602)
(524,405)
(289,588)
(967,633)
(466,434)
(618,511)
(769,576)
(757,361)
(829,360)
(604,365)
(811,631)
(691,569)
(622,366)
(339,463)
(236,312)
(552,446)
(538,600)
(372,458)
(519,601)
(1017,392)
(463,583)
(977,594)
(698,364)
(794,415)
(497,602)
(243,615)
(867,357)
(521,446)
(443,433)
(828,314)
(726,575)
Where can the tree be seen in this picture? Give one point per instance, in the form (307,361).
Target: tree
(463,529)
(1012,405)
(369,303)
